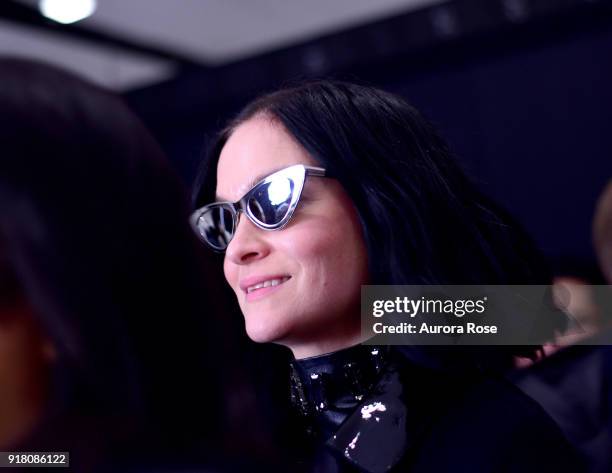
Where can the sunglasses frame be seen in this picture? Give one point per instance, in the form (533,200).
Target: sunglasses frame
(297,173)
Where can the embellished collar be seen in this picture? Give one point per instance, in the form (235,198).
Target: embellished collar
(326,389)
(371,406)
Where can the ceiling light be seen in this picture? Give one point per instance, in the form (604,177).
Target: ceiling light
(67,11)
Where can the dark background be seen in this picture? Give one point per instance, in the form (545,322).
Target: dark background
(526,103)
(520,88)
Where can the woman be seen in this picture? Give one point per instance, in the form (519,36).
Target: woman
(320,189)
(101,294)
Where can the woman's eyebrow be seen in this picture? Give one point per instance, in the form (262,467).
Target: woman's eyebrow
(251,183)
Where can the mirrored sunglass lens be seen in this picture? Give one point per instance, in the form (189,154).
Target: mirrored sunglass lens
(216,225)
(270,201)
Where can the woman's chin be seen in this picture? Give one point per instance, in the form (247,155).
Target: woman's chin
(264,331)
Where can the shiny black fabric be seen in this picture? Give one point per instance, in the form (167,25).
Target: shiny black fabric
(405,416)
(326,389)
(574,387)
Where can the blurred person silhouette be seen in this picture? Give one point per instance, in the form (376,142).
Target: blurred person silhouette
(576,298)
(574,386)
(581,296)
(602,232)
(109,348)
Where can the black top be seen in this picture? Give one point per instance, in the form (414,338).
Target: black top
(326,389)
(574,387)
(379,409)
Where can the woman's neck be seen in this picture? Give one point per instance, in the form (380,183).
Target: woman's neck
(324,345)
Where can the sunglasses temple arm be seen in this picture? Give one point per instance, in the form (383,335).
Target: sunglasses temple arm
(317,172)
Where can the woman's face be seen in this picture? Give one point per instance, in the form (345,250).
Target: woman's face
(319,258)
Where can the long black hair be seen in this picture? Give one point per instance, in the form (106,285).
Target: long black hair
(424,220)
(94,235)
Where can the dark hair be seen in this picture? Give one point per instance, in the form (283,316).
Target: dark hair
(93,225)
(423,219)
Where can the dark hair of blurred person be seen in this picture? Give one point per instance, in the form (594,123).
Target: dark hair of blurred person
(105,349)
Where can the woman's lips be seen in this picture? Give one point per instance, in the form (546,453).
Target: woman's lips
(258,288)
(267,283)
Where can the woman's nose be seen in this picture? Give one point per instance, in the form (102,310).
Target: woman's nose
(249,243)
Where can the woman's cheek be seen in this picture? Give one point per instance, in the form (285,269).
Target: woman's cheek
(316,237)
